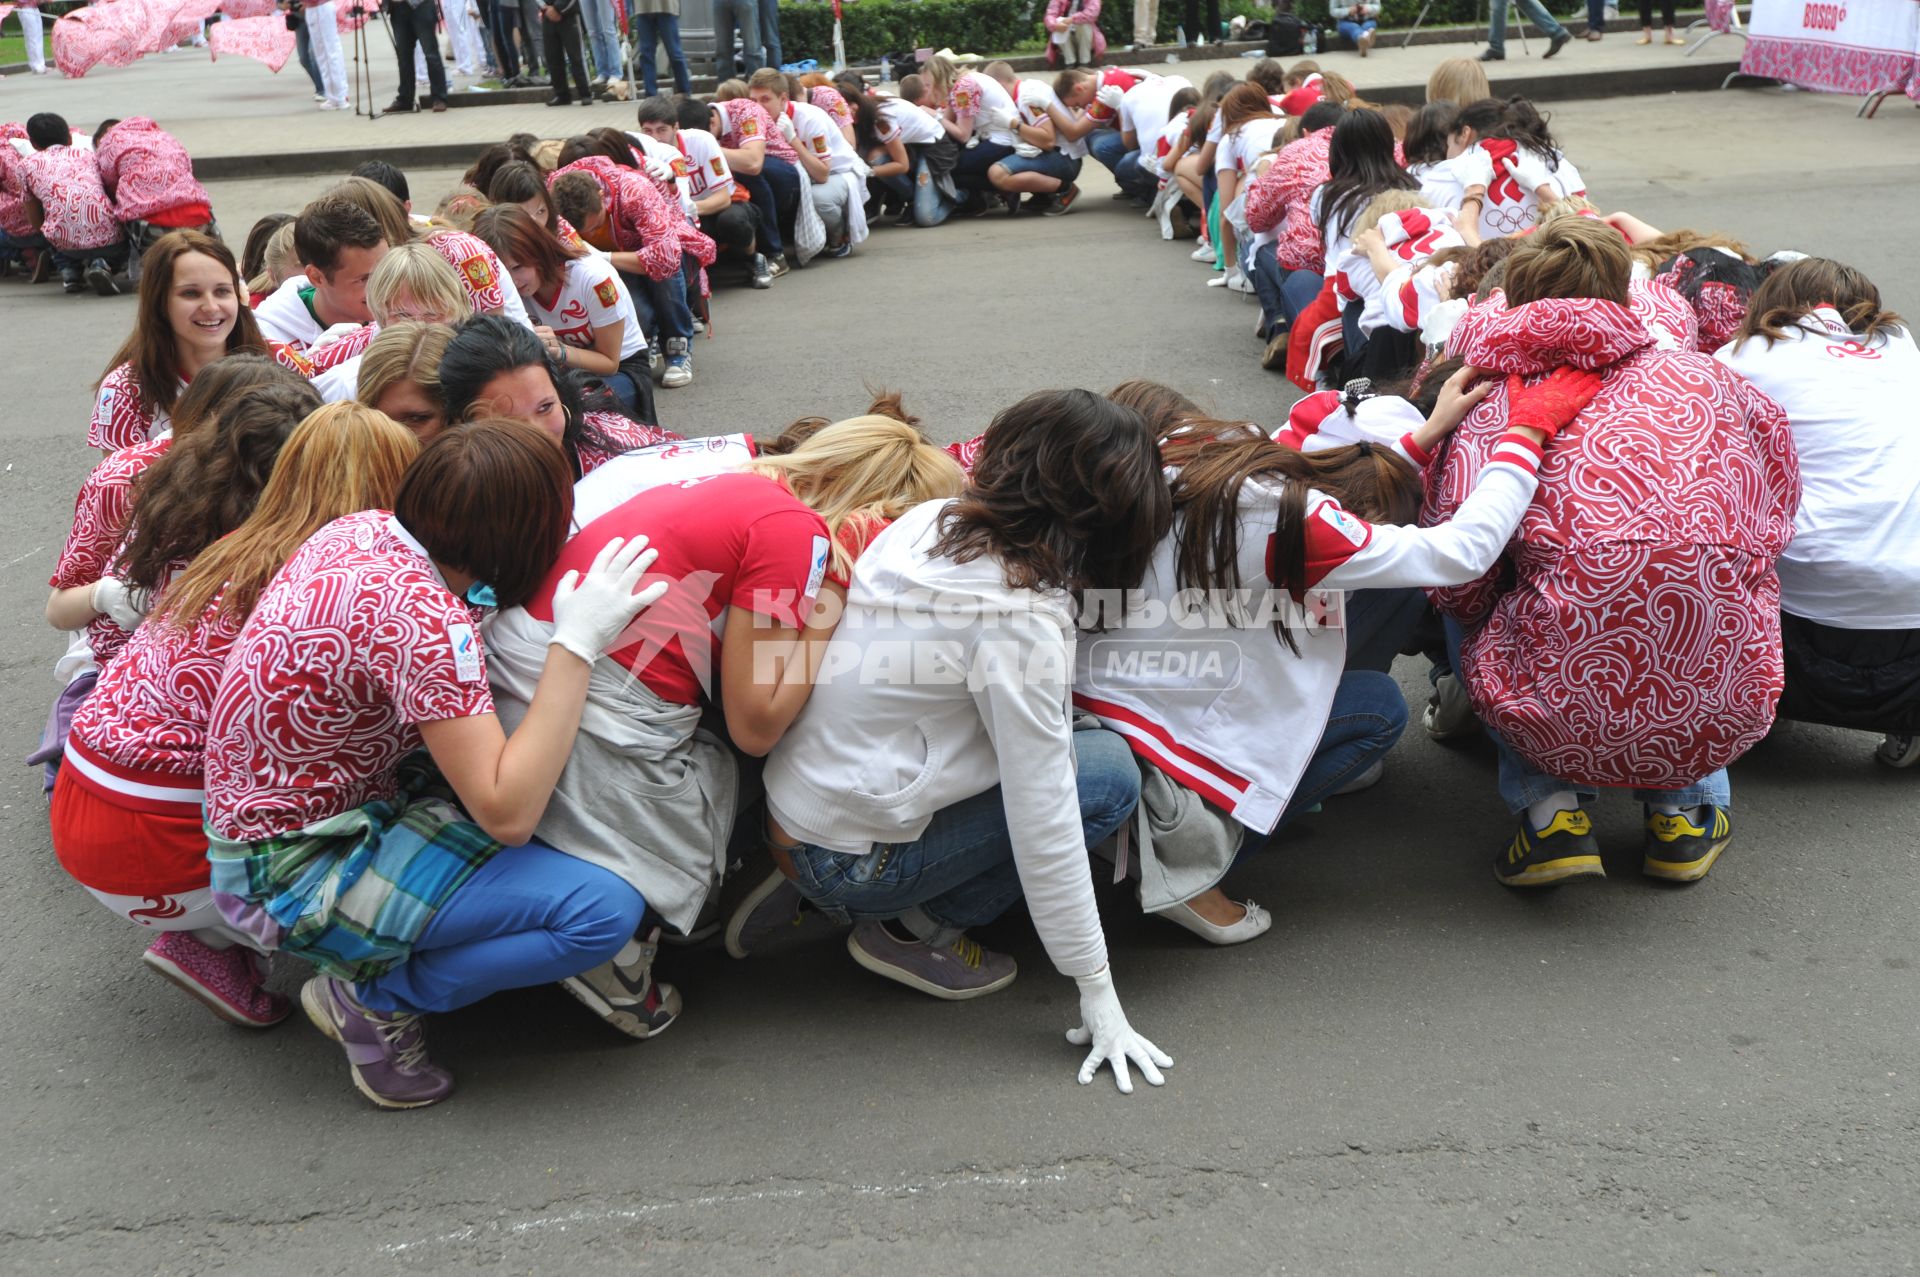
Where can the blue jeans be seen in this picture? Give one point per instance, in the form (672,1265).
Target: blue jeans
(1107,146)
(1522,785)
(1283,294)
(760,194)
(665,26)
(930,207)
(12,247)
(1530,11)
(1378,623)
(960,872)
(1351,31)
(745,15)
(1060,167)
(303,49)
(1133,178)
(1365,721)
(603,38)
(531,915)
(661,304)
(770,32)
(783,180)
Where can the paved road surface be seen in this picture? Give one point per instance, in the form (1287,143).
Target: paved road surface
(1415,1071)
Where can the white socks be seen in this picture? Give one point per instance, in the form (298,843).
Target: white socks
(1541,814)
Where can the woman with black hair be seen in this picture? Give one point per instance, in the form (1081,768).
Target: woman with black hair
(1360,165)
(935,776)
(497,368)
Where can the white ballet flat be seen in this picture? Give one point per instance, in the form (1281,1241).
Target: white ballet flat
(1251,927)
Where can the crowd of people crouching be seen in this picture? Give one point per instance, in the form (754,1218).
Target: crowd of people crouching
(406,643)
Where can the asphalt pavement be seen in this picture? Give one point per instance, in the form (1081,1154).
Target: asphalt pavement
(1416,1070)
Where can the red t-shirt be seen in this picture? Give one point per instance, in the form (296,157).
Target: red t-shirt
(353,644)
(725,540)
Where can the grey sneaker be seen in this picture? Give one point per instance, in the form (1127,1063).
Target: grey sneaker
(100,278)
(388,1053)
(679,370)
(1449,714)
(656,361)
(1898,750)
(772,906)
(624,993)
(957,972)
(762,272)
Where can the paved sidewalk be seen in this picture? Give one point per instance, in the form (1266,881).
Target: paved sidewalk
(240,120)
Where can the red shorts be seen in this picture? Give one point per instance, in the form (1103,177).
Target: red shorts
(122,850)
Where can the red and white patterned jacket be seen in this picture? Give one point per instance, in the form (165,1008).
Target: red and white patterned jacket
(13,186)
(146,170)
(66,181)
(641,221)
(1282,197)
(1632,634)
(101,513)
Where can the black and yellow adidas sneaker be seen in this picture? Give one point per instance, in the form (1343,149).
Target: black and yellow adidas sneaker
(1682,850)
(1564,849)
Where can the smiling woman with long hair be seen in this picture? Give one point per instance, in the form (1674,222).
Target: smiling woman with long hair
(192,310)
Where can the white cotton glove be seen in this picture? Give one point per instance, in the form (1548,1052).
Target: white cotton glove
(785,126)
(1104,1027)
(1529,170)
(120,603)
(1474,168)
(998,119)
(333,334)
(1026,150)
(658,169)
(589,612)
(1109,95)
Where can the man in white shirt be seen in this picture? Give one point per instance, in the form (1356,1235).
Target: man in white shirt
(837,175)
(1141,113)
(718,201)
(341,244)
(1041,166)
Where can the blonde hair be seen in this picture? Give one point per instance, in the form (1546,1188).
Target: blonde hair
(1572,257)
(278,263)
(729,90)
(1459,81)
(940,72)
(1658,250)
(1384,203)
(402,352)
(416,271)
(1565,206)
(343,458)
(860,470)
(458,207)
(380,204)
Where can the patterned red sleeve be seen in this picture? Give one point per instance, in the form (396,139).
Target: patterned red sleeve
(99,518)
(648,224)
(120,419)
(1266,198)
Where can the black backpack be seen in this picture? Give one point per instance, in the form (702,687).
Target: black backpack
(1286,36)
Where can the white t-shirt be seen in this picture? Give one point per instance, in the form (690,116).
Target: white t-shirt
(283,315)
(1144,108)
(974,93)
(913,126)
(591,296)
(1246,144)
(653,148)
(706,168)
(1442,187)
(815,130)
(1854,561)
(1154,150)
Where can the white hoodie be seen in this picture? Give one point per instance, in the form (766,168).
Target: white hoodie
(939,684)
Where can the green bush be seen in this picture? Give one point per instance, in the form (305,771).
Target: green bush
(872,28)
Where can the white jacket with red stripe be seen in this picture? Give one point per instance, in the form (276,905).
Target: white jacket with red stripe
(1226,709)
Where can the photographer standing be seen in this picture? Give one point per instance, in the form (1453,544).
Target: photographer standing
(414,23)
(560,28)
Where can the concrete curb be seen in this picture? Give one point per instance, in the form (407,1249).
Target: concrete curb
(1543,85)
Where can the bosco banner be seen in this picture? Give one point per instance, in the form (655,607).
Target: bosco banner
(1835,46)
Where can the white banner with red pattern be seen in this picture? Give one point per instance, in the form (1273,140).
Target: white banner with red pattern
(1835,46)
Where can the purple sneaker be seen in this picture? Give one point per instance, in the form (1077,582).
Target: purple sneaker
(773,907)
(388,1053)
(956,972)
(227,981)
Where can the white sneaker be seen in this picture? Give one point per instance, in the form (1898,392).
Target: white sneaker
(1204,253)
(1218,281)
(1898,750)
(1239,283)
(1365,780)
